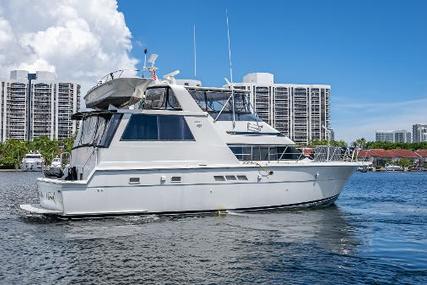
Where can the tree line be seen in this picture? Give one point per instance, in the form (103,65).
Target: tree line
(364,144)
(12,151)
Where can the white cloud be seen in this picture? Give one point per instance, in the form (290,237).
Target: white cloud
(353,120)
(81,40)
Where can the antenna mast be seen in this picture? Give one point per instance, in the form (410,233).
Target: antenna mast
(195,51)
(145,63)
(229,47)
(231,68)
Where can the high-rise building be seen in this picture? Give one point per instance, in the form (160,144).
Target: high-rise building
(402,136)
(384,136)
(36,104)
(299,111)
(396,136)
(419,133)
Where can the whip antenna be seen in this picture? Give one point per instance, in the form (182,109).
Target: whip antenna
(229,47)
(231,68)
(194,51)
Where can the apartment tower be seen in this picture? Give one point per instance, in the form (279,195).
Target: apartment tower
(299,111)
(36,104)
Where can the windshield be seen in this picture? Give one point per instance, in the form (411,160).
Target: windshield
(213,101)
(97,130)
(33,156)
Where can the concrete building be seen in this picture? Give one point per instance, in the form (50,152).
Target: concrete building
(36,104)
(402,136)
(396,136)
(384,136)
(299,111)
(419,133)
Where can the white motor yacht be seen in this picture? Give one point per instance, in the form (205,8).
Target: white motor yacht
(188,149)
(32,161)
(55,168)
(393,167)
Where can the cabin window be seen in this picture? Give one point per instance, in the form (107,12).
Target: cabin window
(242,177)
(157,127)
(110,130)
(230,177)
(219,178)
(265,152)
(160,98)
(97,130)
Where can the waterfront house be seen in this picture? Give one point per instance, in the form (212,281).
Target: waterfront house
(422,153)
(380,157)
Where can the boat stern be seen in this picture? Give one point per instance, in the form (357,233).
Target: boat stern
(50,197)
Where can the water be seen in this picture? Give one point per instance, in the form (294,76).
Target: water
(376,233)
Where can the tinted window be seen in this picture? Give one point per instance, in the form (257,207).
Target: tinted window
(265,153)
(157,127)
(160,98)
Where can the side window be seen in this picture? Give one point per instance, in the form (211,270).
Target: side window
(108,135)
(92,130)
(157,127)
(160,98)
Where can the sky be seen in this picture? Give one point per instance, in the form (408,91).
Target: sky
(372,53)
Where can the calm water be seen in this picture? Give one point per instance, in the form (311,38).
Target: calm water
(376,233)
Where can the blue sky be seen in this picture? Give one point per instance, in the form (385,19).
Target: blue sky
(373,53)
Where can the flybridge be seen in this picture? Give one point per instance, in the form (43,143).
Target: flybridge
(219,104)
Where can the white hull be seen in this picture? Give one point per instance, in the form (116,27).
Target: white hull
(108,192)
(119,92)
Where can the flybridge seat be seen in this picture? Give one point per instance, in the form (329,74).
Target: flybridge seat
(119,92)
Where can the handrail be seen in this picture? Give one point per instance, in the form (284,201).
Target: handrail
(272,153)
(94,151)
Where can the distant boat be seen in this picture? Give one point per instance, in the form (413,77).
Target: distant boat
(55,168)
(32,161)
(362,169)
(393,167)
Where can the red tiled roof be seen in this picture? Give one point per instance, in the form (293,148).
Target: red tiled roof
(422,152)
(390,153)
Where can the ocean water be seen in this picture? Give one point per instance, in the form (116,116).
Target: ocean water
(376,234)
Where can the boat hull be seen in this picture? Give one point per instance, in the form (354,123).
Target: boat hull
(119,92)
(197,191)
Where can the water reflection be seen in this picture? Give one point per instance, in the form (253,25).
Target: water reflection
(326,228)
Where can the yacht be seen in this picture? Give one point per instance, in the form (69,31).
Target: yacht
(393,167)
(32,161)
(55,168)
(185,149)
